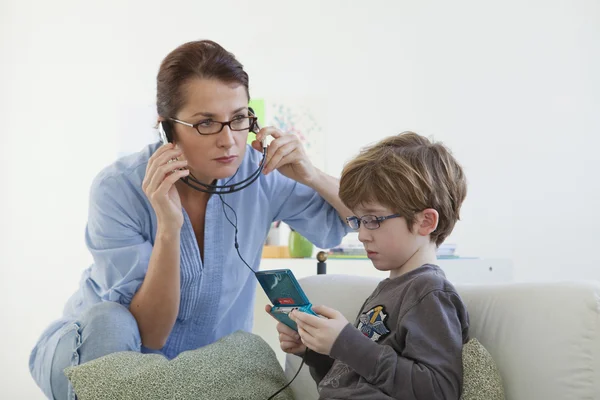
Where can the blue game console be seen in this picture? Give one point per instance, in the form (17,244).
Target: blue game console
(285,294)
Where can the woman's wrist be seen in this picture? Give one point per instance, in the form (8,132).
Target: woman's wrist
(316,181)
(168,233)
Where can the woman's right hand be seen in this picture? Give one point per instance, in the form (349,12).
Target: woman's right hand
(159,186)
(289,340)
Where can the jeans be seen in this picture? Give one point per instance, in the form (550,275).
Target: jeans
(105,328)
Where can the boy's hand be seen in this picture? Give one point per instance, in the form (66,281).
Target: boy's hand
(289,340)
(319,334)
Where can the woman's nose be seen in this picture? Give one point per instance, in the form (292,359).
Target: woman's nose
(225,138)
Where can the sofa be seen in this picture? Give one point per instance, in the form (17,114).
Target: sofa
(544,337)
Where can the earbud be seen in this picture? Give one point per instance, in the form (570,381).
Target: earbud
(162,133)
(255,127)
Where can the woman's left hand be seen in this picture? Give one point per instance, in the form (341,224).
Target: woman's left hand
(285,154)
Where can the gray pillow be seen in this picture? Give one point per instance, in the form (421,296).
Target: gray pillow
(481,379)
(239,366)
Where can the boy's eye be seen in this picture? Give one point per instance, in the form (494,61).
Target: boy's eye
(367,219)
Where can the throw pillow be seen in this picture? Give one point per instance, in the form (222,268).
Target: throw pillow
(238,366)
(481,379)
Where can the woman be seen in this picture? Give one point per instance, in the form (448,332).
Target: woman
(166,275)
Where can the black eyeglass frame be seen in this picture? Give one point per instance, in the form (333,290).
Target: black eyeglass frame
(253,119)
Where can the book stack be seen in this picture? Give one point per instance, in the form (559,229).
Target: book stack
(447,250)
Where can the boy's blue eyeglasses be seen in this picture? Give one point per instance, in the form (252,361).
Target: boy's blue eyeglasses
(369,221)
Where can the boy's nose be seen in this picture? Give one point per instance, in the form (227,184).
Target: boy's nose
(364,235)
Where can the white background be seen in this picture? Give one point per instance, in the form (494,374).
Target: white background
(511,86)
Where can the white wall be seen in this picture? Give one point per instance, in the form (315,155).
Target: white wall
(511,86)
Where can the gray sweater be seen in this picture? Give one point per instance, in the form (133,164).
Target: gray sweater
(406,343)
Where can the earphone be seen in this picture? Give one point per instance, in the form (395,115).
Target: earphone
(162,133)
(164,130)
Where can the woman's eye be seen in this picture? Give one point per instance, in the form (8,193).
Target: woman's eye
(206,122)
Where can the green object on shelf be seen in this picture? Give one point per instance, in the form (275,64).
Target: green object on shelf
(299,246)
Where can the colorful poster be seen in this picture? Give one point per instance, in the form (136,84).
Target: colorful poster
(301,117)
(304,118)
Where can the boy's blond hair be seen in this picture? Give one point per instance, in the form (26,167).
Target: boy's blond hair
(407,173)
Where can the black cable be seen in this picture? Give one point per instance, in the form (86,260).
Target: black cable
(195,184)
(290,382)
(237,248)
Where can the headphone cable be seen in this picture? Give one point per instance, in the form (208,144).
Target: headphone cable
(292,380)
(237,248)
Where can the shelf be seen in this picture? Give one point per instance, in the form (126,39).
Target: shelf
(457,270)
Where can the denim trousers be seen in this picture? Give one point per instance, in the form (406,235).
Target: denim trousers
(105,328)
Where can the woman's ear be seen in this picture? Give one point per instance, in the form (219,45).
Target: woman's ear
(427,221)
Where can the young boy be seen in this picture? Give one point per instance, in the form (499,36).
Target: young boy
(406,343)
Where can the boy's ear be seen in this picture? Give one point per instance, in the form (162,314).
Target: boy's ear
(427,221)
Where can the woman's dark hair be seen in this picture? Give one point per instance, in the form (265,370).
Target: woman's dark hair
(202,59)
